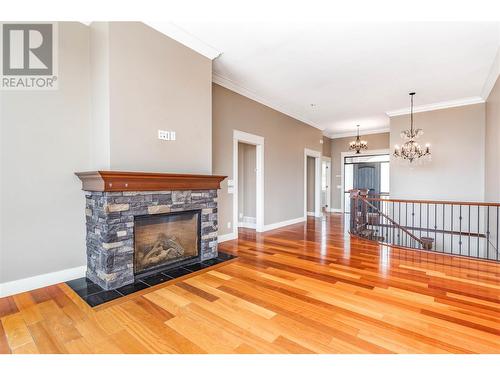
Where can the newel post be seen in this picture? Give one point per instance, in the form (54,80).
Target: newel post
(363,194)
(353,195)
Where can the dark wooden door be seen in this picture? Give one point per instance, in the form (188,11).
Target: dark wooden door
(367,176)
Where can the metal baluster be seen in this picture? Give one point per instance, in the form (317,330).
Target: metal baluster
(399,220)
(487,232)
(420,216)
(443,229)
(496,255)
(468,230)
(435,226)
(451,232)
(406,224)
(460,231)
(427,219)
(478,217)
(393,227)
(413,231)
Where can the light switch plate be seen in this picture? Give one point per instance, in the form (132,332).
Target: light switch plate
(172,136)
(164,135)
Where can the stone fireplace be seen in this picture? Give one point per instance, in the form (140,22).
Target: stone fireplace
(138,223)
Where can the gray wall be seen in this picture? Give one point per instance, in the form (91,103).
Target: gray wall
(492,149)
(45,138)
(285,140)
(339,145)
(456,172)
(157,83)
(311,174)
(246,180)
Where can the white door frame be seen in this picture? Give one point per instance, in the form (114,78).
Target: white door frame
(317,181)
(329,188)
(381,151)
(258,141)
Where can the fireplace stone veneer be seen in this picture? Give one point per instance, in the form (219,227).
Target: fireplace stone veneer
(110,228)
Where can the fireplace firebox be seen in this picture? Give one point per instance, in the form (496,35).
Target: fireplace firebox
(166,240)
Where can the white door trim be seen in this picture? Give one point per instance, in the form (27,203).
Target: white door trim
(317,181)
(381,151)
(258,141)
(329,188)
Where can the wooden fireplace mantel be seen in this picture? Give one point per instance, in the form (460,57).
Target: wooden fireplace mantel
(143,181)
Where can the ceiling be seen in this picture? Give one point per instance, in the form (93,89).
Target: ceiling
(337,75)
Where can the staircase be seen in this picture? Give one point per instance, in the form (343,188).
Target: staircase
(468,229)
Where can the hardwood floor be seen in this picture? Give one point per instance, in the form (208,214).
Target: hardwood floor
(306,288)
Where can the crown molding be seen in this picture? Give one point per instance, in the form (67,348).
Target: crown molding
(333,135)
(436,106)
(236,87)
(492,76)
(184,37)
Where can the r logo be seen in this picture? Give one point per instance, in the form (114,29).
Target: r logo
(27,49)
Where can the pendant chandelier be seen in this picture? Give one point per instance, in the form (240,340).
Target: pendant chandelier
(411,150)
(358,145)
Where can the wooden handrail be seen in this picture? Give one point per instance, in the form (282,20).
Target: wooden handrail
(392,221)
(455,203)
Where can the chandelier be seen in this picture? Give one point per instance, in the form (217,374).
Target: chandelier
(358,144)
(411,150)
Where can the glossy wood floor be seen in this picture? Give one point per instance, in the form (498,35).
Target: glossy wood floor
(306,288)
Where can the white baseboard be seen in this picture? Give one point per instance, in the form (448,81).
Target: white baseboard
(23,285)
(283,223)
(226,237)
(243,224)
(310,213)
(335,210)
(248,222)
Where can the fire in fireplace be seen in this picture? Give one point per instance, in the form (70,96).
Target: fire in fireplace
(164,240)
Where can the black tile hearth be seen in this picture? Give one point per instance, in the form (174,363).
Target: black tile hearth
(211,262)
(177,272)
(94,295)
(132,288)
(156,279)
(102,297)
(84,287)
(196,267)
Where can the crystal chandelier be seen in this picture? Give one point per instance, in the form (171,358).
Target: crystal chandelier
(358,144)
(411,150)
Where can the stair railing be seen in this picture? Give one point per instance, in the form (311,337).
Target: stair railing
(469,229)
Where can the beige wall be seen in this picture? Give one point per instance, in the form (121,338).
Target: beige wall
(492,149)
(311,176)
(246,180)
(327,146)
(285,140)
(118,84)
(45,138)
(339,145)
(99,95)
(158,83)
(456,172)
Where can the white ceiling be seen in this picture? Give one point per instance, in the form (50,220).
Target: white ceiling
(353,73)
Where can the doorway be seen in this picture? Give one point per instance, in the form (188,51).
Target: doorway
(251,147)
(247,187)
(369,172)
(326,178)
(312,183)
